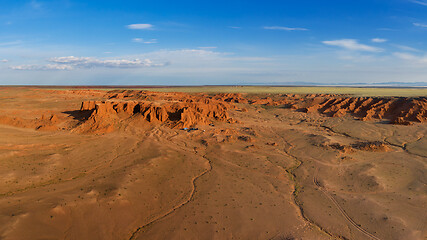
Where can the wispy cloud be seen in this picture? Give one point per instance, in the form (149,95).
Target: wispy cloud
(285,28)
(207,47)
(35,5)
(46,67)
(140,26)
(411,57)
(234,27)
(198,52)
(10,43)
(4,61)
(406,48)
(202,55)
(71,62)
(87,62)
(420,2)
(141,40)
(137,40)
(422,25)
(151,41)
(357,58)
(379,40)
(352,44)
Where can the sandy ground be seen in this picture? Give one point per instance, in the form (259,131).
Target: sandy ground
(276,173)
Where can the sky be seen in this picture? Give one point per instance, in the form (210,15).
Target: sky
(237,42)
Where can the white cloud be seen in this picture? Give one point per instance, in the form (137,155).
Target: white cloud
(137,39)
(87,62)
(411,57)
(422,25)
(404,56)
(420,2)
(234,27)
(207,47)
(46,67)
(4,61)
(406,48)
(190,53)
(352,44)
(71,62)
(198,66)
(285,28)
(141,40)
(379,40)
(140,26)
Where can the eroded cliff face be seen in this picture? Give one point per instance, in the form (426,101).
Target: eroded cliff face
(397,110)
(105,114)
(180,110)
(103,111)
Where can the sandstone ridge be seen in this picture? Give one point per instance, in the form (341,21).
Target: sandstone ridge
(397,110)
(105,114)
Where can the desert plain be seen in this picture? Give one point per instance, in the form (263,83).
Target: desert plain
(213,163)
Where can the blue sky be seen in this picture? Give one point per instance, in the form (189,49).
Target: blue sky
(216,42)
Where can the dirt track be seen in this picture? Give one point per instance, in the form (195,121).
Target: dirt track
(348,218)
(190,197)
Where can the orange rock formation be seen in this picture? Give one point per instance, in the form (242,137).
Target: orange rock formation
(183,110)
(174,114)
(398,110)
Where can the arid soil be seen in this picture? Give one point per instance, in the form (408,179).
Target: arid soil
(128,164)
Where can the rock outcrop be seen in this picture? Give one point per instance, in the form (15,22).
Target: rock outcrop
(106,114)
(400,110)
(397,110)
(372,146)
(45,123)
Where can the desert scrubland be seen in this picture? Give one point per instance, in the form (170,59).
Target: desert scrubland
(210,164)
